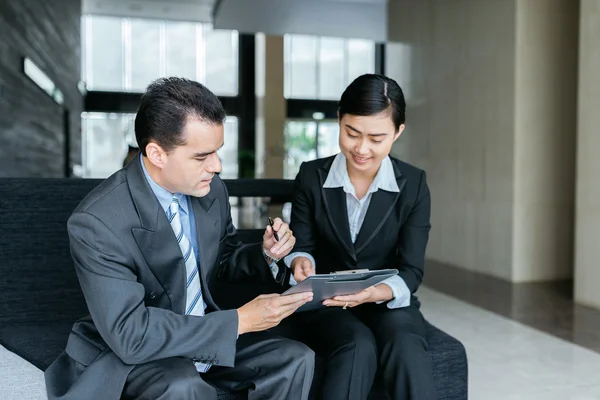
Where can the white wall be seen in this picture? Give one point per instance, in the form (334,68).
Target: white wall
(459,119)
(460,65)
(545,131)
(587,254)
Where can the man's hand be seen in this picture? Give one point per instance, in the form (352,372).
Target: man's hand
(268,310)
(371,294)
(302,268)
(281,248)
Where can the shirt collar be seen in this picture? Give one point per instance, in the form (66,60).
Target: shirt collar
(163,196)
(338,176)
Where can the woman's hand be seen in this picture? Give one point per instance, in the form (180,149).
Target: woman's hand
(371,294)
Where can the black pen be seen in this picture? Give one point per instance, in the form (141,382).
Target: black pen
(274,233)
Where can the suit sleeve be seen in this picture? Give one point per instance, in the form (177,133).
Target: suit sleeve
(135,333)
(413,238)
(238,261)
(302,218)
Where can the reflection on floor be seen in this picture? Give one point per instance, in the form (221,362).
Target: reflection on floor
(523,341)
(545,306)
(510,360)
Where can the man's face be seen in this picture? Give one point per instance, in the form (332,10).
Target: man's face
(367,140)
(189,168)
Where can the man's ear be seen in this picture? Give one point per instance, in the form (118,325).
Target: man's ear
(156,154)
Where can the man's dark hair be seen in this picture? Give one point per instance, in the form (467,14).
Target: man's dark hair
(165,107)
(371,94)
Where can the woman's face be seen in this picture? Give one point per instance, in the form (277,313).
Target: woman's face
(367,140)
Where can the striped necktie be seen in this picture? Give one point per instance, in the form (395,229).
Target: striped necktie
(194,303)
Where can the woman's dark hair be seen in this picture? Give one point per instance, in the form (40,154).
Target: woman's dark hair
(372,94)
(165,107)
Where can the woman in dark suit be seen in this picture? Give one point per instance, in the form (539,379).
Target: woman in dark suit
(363,209)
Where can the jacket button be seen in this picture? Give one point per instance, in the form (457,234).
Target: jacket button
(153,295)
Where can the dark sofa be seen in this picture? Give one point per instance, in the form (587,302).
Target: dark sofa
(40,297)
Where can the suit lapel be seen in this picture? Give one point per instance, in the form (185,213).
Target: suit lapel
(337,211)
(206,215)
(155,238)
(381,206)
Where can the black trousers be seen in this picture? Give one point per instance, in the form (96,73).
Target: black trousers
(355,342)
(268,366)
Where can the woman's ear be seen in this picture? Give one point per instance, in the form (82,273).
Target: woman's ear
(400,130)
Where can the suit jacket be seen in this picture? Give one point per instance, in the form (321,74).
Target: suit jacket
(132,274)
(394,233)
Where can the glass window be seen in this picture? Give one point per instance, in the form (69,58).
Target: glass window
(103,53)
(300,66)
(361,58)
(145,53)
(328,140)
(221,61)
(105,141)
(308,140)
(300,145)
(229,152)
(229,158)
(181,41)
(332,80)
(122,54)
(322,67)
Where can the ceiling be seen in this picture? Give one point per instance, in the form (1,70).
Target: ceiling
(361,1)
(366,19)
(343,18)
(186,10)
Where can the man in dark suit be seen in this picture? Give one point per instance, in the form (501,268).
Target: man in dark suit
(149,244)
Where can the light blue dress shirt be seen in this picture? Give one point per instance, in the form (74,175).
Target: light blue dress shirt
(188,222)
(165,198)
(187,215)
(357,210)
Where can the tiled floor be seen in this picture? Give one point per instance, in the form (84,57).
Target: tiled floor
(510,360)
(19,379)
(545,306)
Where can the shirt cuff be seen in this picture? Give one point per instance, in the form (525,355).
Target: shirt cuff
(290,257)
(274,269)
(400,291)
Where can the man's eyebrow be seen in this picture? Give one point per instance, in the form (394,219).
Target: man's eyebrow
(200,155)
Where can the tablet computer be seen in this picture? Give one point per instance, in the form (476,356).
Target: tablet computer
(326,286)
